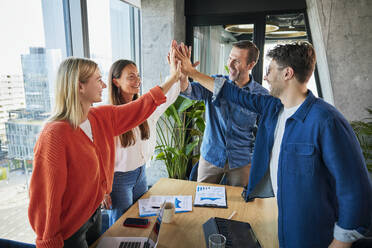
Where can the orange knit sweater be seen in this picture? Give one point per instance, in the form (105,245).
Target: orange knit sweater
(71,173)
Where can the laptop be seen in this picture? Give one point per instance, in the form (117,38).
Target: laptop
(238,234)
(135,242)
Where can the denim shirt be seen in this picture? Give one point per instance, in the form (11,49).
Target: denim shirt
(323,186)
(228,135)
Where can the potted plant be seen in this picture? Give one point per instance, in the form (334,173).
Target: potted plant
(179,131)
(363,131)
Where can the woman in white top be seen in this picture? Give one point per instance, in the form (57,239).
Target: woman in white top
(135,147)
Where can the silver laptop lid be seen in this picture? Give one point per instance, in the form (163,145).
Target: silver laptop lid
(154,234)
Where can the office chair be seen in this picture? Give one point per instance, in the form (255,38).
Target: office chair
(7,243)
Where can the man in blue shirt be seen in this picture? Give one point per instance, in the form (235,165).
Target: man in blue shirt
(228,140)
(306,154)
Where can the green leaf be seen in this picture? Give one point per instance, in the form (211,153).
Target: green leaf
(198,114)
(186,103)
(191,146)
(201,125)
(363,132)
(227,69)
(175,115)
(195,132)
(160,156)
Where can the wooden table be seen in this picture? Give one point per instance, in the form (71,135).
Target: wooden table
(186,228)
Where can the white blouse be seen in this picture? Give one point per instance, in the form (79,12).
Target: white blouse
(132,157)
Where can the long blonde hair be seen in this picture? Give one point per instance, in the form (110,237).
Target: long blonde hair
(128,138)
(67,102)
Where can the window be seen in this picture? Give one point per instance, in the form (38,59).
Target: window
(265,31)
(212,45)
(23,80)
(288,28)
(38,35)
(113,34)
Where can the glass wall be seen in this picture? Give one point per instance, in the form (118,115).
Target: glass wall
(212,46)
(212,43)
(37,36)
(290,28)
(114,35)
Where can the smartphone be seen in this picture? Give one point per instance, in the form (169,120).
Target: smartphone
(136,222)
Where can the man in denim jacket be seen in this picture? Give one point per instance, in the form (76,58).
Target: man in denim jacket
(228,140)
(306,154)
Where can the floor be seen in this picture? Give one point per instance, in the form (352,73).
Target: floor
(14,223)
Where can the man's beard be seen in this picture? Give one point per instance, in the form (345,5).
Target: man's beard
(235,77)
(276,91)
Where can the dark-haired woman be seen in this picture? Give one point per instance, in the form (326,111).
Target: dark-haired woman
(135,147)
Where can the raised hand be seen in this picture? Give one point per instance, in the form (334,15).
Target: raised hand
(187,51)
(184,80)
(183,54)
(175,71)
(173,45)
(174,65)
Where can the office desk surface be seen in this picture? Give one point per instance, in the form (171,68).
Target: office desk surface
(186,228)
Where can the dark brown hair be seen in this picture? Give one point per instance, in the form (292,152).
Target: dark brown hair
(300,56)
(115,97)
(253,51)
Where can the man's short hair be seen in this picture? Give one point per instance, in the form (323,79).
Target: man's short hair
(300,56)
(253,51)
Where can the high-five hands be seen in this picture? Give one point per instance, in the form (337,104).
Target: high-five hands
(183,54)
(186,51)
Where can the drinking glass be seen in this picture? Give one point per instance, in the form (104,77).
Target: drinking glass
(217,241)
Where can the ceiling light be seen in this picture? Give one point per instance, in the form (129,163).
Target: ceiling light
(286,34)
(248,28)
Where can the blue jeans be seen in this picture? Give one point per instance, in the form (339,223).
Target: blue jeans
(127,188)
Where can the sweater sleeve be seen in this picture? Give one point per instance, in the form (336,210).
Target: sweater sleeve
(47,186)
(130,115)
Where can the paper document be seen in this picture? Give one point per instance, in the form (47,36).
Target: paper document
(210,196)
(151,206)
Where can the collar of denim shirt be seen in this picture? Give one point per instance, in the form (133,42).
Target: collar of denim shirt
(305,107)
(250,85)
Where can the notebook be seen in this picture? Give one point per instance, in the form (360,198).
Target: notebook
(210,196)
(238,234)
(135,242)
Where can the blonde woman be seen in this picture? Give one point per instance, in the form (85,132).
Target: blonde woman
(135,147)
(75,153)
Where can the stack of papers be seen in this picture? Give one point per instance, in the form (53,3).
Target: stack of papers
(210,196)
(151,206)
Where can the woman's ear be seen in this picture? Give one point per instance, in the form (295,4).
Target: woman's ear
(81,87)
(116,82)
